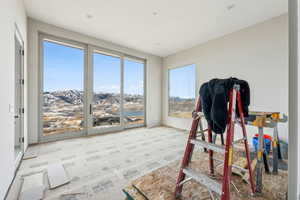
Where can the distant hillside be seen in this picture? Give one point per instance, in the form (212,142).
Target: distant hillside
(179,99)
(76,97)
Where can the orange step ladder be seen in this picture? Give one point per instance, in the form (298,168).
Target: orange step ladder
(213,186)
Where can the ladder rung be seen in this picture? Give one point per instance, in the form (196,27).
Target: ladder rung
(198,114)
(184,181)
(234,166)
(204,180)
(210,146)
(203,131)
(239,140)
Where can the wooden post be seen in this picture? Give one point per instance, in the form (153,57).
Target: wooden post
(275,143)
(260,123)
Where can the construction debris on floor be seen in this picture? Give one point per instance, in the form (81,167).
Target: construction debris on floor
(30,155)
(33,187)
(99,167)
(160,184)
(57,175)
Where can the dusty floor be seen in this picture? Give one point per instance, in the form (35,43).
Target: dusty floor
(100,166)
(160,184)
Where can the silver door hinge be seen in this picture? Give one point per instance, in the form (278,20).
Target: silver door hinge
(21,110)
(21,139)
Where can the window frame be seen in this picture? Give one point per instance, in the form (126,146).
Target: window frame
(88,91)
(135,59)
(169,86)
(68,43)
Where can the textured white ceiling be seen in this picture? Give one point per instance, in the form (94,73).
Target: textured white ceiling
(159,27)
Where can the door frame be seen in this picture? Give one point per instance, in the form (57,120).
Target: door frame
(122,56)
(101,130)
(144,62)
(21,93)
(88,87)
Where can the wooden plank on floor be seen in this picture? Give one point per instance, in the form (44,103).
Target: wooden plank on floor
(57,175)
(33,187)
(30,155)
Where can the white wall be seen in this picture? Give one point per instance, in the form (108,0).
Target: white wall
(258,54)
(153,77)
(11,12)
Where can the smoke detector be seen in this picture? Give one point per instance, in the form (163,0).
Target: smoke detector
(230,7)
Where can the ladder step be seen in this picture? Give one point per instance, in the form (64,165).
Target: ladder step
(233,165)
(239,140)
(198,114)
(211,146)
(204,180)
(203,131)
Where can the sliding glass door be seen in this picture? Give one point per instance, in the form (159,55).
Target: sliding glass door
(134,111)
(63,95)
(87,90)
(106,96)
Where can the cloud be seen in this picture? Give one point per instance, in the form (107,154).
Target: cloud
(129,89)
(108,89)
(135,88)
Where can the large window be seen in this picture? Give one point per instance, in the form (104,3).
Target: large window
(182,91)
(63,93)
(85,89)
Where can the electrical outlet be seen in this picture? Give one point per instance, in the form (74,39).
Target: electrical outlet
(11,108)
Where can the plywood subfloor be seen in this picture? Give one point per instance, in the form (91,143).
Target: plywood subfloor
(160,184)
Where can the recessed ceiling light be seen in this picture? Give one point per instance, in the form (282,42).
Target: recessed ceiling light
(231,6)
(154,13)
(89,16)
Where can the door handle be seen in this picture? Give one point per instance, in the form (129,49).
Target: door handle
(16,116)
(90,109)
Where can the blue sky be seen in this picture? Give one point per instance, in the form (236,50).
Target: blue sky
(63,70)
(63,67)
(107,75)
(182,82)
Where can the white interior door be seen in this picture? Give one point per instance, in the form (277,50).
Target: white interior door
(19,98)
